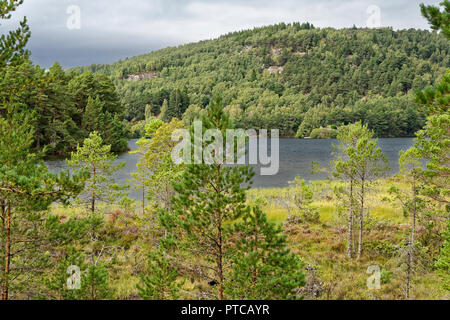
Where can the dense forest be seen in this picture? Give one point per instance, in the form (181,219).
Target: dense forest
(65,107)
(290,76)
(199,231)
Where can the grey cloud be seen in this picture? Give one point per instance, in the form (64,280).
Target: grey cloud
(116,29)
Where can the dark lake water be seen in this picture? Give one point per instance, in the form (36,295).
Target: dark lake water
(296,156)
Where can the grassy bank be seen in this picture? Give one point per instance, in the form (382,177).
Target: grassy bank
(321,244)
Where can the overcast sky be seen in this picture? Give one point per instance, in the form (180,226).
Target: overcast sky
(114,29)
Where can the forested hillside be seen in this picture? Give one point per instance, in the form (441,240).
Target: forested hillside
(290,76)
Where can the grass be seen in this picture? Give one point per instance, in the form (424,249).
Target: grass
(321,245)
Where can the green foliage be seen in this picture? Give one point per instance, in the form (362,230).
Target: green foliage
(359,161)
(27,189)
(155,170)
(193,112)
(66,108)
(323,133)
(208,198)
(96,158)
(162,283)
(439,20)
(12,45)
(386,276)
(292,77)
(95,283)
(443,264)
(300,196)
(262,266)
(433,142)
(383,248)
(358,156)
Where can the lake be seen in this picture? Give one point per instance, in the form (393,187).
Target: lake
(296,156)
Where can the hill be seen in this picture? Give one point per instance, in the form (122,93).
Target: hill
(289,76)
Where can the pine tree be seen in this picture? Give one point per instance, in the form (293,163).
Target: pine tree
(56,282)
(439,20)
(97,158)
(164,115)
(12,45)
(443,264)
(433,142)
(155,170)
(95,283)
(27,189)
(209,197)
(262,266)
(92,117)
(94,279)
(413,206)
(61,133)
(113,132)
(162,282)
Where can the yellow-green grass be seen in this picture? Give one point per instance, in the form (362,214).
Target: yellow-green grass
(321,245)
(377,202)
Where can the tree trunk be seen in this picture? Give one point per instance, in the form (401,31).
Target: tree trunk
(220,260)
(361,219)
(3,237)
(350,224)
(143,199)
(93,192)
(408,275)
(7,254)
(411,247)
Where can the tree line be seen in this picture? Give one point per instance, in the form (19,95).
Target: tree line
(65,108)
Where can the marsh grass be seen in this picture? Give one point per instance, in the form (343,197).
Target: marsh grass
(321,245)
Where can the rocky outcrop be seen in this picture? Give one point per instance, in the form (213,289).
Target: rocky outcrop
(141,76)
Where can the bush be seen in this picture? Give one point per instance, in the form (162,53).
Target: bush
(323,133)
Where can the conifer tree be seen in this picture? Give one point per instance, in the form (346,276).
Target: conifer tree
(27,189)
(61,133)
(164,115)
(95,283)
(413,206)
(262,266)
(443,264)
(97,158)
(92,117)
(162,282)
(432,144)
(209,197)
(12,45)
(156,170)
(439,20)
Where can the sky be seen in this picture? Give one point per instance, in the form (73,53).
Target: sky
(83,32)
